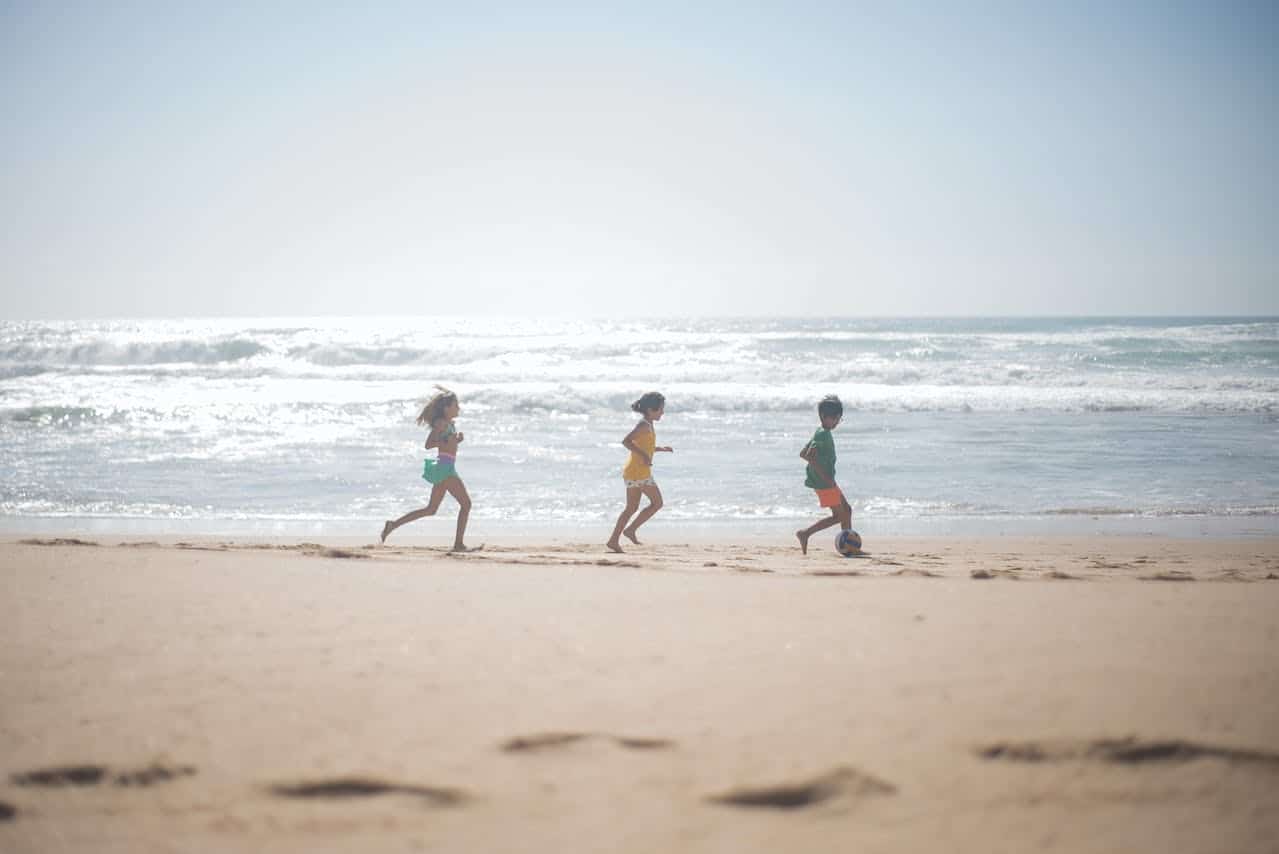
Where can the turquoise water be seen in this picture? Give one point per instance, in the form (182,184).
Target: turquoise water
(306,426)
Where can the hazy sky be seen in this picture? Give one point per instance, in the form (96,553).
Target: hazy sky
(210,158)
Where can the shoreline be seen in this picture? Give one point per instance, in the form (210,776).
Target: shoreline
(667,545)
(662,527)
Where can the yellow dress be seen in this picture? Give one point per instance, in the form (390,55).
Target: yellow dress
(635,467)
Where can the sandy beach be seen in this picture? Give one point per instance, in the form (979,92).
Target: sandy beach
(1000,694)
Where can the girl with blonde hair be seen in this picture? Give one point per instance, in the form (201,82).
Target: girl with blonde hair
(441,472)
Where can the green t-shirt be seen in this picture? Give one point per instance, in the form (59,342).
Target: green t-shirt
(824,443)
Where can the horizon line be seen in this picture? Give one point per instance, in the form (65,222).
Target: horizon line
(641,318)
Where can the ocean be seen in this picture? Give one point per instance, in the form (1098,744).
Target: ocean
(305,427)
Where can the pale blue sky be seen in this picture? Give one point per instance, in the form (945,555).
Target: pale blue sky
(804,159)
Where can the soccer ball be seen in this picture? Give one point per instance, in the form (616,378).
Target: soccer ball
(848,543)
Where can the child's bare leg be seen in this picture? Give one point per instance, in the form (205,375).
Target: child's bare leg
(437,495)
(632,504)
(457,489)
(654,496)
(802,536)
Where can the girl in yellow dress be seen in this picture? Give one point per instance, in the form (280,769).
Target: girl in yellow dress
(638,473)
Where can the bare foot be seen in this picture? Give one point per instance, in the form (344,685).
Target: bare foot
(386,531)
(803,540)
(614,547)
(463,549)
(630,535)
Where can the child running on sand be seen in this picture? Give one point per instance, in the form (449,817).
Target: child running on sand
(819,453)
(438,414)
(638,473)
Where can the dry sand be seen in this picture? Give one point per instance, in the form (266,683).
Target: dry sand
(1070,694)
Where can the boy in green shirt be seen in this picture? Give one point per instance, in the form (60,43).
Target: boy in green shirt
(819,453)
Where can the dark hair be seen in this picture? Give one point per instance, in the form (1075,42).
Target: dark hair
(831,406)
(649,401)
(434,409)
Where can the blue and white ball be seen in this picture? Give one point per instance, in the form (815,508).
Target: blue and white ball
(848,543)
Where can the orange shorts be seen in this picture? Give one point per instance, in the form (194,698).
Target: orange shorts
(831,497)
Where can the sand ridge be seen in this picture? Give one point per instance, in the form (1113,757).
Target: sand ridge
(981,559)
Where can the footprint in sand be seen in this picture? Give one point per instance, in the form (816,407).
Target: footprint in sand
(1170,575)
(307,549)
(92,775)
(548,560)
(528,743)
(551,740)
(152,775)
(7,811)
(1129,751)
(60,541)
(344,788)
(342,554)
(1099,563)
(982,574)
(68,775)
(839,782)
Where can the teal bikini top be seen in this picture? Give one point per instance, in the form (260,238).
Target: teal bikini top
(448,434)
